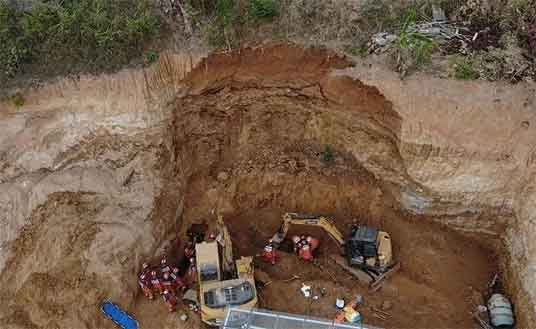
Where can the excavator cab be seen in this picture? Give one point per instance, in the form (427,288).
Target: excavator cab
(369,248)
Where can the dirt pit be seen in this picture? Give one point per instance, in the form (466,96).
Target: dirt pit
(270,130)
(442,274)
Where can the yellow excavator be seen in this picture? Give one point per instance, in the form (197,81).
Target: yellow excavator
(367,250)
(216,295)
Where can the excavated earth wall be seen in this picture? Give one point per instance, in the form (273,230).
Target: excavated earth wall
(97,174)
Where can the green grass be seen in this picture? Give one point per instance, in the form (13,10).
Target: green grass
(465,70)
(74,35)
(418,45)
(18,100)
(359,51)
(414,49)
(327,154)
(151,56)
(262,9)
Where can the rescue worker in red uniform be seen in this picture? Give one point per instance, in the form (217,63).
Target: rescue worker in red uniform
(180,285)
(145,285)
(167,282)
(299,242)
(189,250)
(156,283)
(192,271)
(306,253)
(170,300)
(164,267)
(312,242)
(305,246)
(269,252)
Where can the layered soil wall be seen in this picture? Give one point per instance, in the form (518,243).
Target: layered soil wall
(94,185)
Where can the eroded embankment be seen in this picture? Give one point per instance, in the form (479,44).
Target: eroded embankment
(97,187)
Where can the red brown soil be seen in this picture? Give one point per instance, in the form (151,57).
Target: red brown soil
(263,117)
(440,274)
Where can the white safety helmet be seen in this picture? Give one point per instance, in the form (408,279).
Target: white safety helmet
(309,239)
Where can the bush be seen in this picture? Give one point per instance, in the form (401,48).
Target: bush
(18,100)
(414,48)
(464,70)
(13,48)
(75,35)
(262,9)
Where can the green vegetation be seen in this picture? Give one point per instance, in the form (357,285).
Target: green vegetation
(262,9)
(414,48)
(464,70)
(327,154)
(359,51)
(74,35)
(18,100)
(151,56)
(230,19)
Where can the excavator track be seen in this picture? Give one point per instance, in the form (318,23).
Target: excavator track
(362,276)
(371,280)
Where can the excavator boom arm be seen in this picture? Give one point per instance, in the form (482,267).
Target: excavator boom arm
(299,219)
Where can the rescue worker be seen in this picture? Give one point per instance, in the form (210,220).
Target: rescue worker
(180,285)
(155,282)
(211,237)
(312,242)
(297,243)
(170,300)
(306,253)
(269,253)
(164,267)
(189,250)
(167,282)
(145,285)
(192,271)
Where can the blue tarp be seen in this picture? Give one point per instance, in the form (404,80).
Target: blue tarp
(117,315)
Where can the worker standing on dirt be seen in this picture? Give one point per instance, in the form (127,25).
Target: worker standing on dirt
(145,285)
(144,281)
(179,283)
(304,246)
(156,283)
(297,244)
(192,271)
(312,242)
(170,300)
(306,253)
(164,267)
(189,250)
(167,282)
(269,252)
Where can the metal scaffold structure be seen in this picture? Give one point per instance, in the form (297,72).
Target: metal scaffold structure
(237,318)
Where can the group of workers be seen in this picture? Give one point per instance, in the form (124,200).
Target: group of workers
(166,279)
(304,247)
